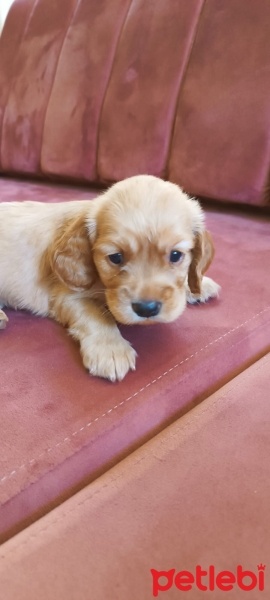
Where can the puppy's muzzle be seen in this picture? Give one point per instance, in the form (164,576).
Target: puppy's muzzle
(146,308)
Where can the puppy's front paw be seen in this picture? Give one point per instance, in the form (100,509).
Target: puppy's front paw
(209,289)
(3,319)
(110,359)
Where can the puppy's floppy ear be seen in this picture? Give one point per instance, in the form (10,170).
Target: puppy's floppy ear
(203,250)
(202,256)
(71,257)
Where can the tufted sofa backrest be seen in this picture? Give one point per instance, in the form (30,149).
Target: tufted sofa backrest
(99,90)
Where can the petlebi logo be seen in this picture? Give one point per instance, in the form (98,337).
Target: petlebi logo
(208,579)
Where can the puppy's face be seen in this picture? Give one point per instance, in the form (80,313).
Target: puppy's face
(143,237)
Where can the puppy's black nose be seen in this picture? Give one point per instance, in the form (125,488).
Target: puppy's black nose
(146,308)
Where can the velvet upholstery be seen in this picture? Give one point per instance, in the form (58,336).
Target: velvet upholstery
(221,146)
(16,21)
(153,60)
(197,494)
(96,90)
(60,427)
(71,135)
(31,83)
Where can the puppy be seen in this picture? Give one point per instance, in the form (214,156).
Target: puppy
(136,254)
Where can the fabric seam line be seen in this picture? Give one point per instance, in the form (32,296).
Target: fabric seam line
(78,431)
(232,387)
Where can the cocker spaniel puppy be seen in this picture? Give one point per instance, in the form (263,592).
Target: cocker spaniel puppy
(136,254)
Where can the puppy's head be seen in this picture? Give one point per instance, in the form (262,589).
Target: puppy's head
(148,240)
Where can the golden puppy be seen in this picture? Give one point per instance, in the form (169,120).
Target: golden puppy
(136,254)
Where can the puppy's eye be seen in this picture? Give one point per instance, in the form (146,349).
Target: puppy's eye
(116,259)
(176,256)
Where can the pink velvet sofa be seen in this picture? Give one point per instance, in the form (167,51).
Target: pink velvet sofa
(169,469)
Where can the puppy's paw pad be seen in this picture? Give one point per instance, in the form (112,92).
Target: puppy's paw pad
(109,360)
(209,289)
(3,319)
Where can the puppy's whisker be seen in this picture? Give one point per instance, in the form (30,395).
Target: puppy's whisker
(106,312)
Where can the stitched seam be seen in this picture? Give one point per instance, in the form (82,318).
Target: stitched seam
(232,386)
(84,427)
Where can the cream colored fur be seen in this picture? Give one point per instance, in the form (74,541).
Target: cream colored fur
(54,261)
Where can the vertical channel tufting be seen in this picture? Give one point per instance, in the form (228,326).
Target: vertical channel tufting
(10,41)
(139,107)
(30,88)
(71,127)
(221,144)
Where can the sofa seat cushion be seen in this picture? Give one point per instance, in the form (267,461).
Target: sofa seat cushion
(197,494)
(60,428)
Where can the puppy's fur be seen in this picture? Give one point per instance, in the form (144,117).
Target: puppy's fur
(59,260)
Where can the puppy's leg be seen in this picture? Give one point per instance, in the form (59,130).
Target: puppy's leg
(209,289)
(104,351)
(3,319)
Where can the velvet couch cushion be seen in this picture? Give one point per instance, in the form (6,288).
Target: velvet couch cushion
(197,494)
(60,428)
(98,91)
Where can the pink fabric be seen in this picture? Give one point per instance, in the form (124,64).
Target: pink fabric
(139,107)
(60,427)
(11,36)
(197,494)
(30,85)
(221,146)
(71,135)
(94,90)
